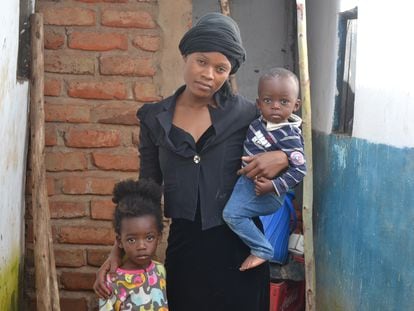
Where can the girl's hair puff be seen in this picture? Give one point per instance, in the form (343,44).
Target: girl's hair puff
(135,199)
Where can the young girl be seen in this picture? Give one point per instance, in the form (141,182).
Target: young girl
(139,283)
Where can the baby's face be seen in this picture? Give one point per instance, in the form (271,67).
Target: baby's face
(277,99)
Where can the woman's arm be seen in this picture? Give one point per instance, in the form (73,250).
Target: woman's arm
(109,266)
(148,153)
(266,164)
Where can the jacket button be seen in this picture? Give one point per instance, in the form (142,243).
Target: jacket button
(196,159)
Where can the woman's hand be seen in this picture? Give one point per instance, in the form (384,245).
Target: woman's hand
(109,266)
(266,164)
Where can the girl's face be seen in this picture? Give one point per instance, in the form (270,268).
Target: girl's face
(205,73)
(278,99)
(139,238)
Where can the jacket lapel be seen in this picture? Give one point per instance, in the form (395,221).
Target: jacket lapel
(165,119)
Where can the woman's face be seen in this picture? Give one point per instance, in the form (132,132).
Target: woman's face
(205,73)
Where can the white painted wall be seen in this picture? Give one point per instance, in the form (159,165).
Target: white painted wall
(384,93)
(384,96)
(322,27)
(13,132)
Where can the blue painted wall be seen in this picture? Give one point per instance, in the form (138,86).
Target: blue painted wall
(364,224)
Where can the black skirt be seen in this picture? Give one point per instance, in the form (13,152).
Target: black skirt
(203,271)
(203,265)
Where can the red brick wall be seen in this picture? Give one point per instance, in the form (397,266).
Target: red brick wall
(101,64)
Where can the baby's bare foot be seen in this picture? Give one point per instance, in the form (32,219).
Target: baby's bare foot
(251,262)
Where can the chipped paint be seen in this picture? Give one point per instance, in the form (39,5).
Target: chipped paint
(363,219)
(340,153)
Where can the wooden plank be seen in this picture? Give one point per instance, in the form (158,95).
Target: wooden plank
(45,270)
(307,135)
(225,7)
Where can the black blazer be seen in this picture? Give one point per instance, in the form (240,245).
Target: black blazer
(187,175)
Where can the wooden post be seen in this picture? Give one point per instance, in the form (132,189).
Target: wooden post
(45,271)
(307,134)
(54,289)
(225,10)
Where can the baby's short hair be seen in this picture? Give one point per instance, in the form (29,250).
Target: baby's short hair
(281,72)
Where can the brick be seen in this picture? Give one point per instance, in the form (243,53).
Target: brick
(50,135)
(68,16)
(115,114)
(69,257)
(77,280)
(102,209)
(127,19)
(65,161)
(86,235)
(66,113)
(126,66)
(61,209)
(146,92)
(72,64)
(127,161)
(50,182)
(54,39)
(54,234)
(147,43)
(97,90)
(52,87)
(68,209)
(92,138)
(96,257)
(70,304)
(97,41)
(87,185)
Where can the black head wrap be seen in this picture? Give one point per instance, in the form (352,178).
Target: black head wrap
(215,32)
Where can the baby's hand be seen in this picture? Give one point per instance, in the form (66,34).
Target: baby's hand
(263,186)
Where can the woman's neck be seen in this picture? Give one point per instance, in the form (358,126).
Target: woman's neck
(192,115)
(188,100)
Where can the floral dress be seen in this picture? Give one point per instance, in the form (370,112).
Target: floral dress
(137,290)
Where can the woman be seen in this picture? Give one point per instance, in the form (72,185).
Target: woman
(191,143)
